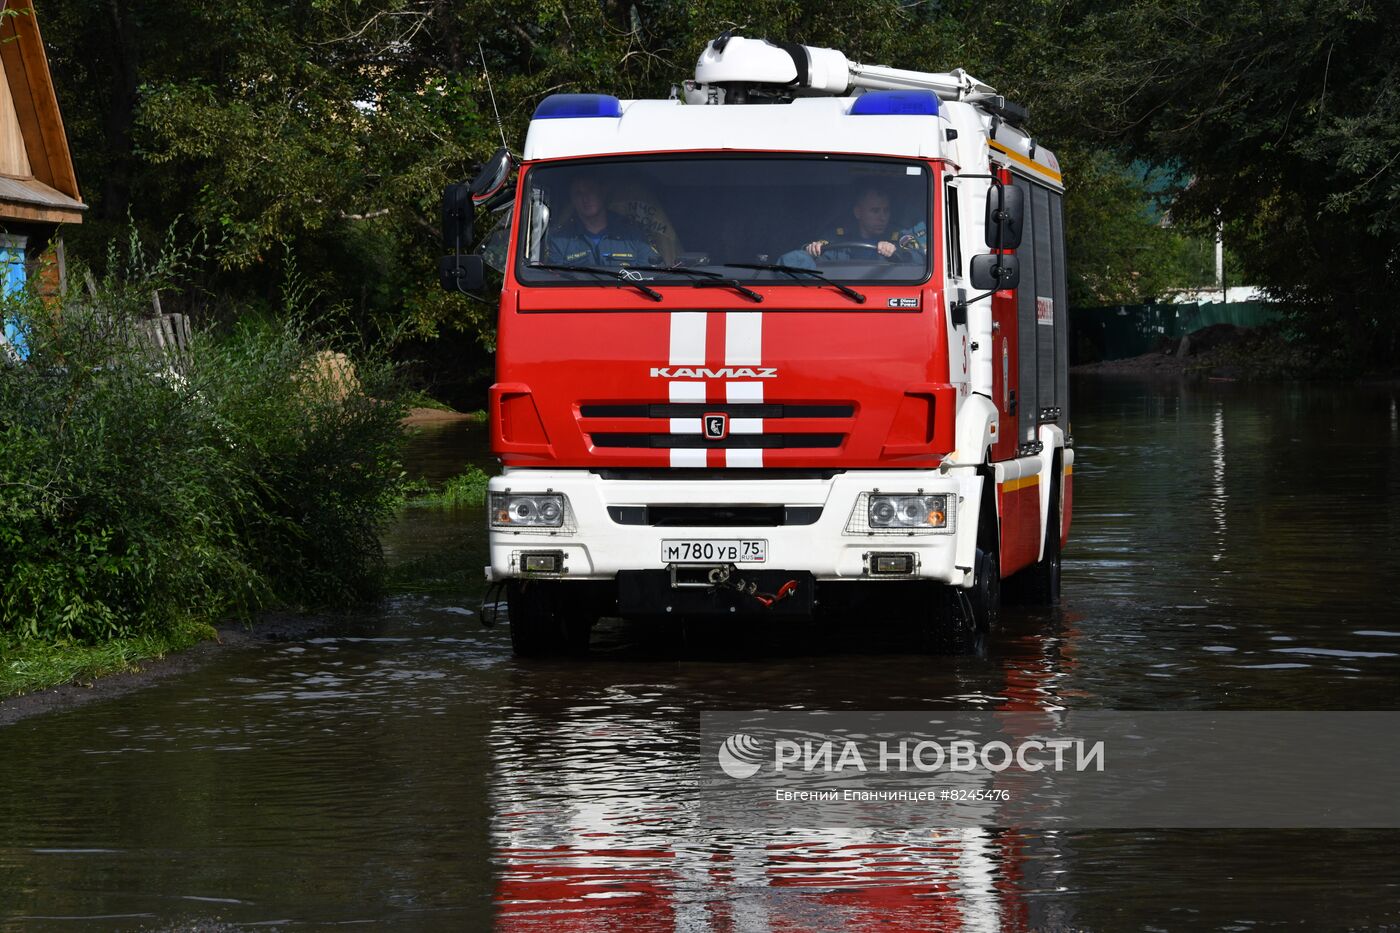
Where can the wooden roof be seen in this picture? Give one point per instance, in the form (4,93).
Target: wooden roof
(36,170)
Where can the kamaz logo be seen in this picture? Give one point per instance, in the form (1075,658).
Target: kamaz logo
(727,372)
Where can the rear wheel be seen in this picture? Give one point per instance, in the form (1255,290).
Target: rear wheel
(1039,584)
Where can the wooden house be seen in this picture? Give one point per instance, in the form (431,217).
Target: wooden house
(38,189)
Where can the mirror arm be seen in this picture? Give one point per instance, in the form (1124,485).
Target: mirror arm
(457,251)
(478,298)
(963,303)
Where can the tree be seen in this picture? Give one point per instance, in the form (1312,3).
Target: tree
(1288,119)
(325,129)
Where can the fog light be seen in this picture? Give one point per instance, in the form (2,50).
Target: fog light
(542,561)
(892,565)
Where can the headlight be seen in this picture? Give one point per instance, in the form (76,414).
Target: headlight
(879,513)
(908,511)
(509,510)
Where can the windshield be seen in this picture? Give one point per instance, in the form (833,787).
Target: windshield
(851,220)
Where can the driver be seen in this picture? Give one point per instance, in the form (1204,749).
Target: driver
(871,211)
(596,236)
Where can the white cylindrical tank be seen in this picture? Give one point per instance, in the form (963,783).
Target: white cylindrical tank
(758,61)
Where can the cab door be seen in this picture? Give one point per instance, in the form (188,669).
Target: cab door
(956,287)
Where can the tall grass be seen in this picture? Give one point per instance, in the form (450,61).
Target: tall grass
(143,491)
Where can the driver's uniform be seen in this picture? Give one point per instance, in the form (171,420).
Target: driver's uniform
(621,243)
(913,238)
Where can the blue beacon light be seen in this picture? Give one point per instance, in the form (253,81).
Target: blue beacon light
(896,103)
(573,106)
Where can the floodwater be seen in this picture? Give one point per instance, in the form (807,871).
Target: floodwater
(1232,548)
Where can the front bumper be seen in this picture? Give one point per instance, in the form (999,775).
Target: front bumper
(596,546)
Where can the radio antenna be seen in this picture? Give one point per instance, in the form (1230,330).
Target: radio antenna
(490,91)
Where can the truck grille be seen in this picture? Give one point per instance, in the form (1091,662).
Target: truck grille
(732,442)
(780,429)
(732,409)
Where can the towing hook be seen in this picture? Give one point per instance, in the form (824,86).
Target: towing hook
(719,575)
(784,591)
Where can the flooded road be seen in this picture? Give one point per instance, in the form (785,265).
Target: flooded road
(1232,548)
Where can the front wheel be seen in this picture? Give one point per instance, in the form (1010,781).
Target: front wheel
(968,614)
(985,595)
(541,625)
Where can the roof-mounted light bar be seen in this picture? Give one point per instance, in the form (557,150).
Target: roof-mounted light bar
(896,103)
(574,106)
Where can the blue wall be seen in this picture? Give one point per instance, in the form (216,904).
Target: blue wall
(12,275)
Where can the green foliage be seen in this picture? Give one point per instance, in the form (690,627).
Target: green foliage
(327,129)
(420,399)
(465,489)
(27,665)
(140,491)
(1123,254)
(1286,120)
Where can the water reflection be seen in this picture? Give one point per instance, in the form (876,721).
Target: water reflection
(1227,553)
(595,825)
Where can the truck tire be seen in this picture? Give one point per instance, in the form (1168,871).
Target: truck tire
(540,623)
(1039,584)
(985,595)
(967,615)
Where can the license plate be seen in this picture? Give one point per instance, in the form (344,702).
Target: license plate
(713,551)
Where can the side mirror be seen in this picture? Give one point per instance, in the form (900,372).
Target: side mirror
(995,272)
(456,218)
(462,273)
(493,176)
(1006,209)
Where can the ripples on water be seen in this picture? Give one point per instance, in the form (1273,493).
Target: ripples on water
(1231,549)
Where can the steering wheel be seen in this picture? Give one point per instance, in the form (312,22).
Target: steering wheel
(900,254)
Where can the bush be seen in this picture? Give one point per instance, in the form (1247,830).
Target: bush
(142,490)
(464,489)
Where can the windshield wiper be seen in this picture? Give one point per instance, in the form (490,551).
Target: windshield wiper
(708,279)
(796,271)
(618,273)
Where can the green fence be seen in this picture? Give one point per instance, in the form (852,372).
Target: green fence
(1132,330)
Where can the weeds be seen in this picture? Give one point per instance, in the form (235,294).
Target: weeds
(28,666)
(145,494)
(466,489)
(420,399)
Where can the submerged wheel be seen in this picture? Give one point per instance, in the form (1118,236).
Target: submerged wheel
(540,625)
(966,615)
(1039,584)
(985,594)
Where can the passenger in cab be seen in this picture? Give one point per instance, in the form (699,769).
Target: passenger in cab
(596,236)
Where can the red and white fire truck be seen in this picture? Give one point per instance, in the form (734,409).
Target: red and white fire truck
(788,342)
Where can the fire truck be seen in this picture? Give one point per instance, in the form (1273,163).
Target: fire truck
(789,343)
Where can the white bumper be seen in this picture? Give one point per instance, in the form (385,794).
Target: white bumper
(596,546)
